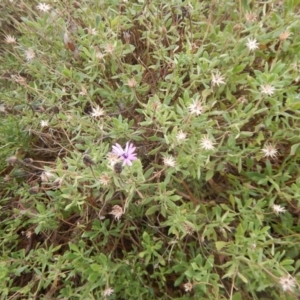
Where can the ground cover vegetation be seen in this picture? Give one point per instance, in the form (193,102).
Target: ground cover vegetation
(149,149)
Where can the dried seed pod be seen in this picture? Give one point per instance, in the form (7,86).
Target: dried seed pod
(57,183)
(117,212)
(70,45)
(87,161)
(12,160)
(54,109)
(118,168)
(46,176)
(34,190)
(28,160)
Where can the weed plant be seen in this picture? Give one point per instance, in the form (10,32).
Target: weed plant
(150,149)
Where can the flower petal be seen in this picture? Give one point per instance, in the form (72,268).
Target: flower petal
(127,155)
(127,161)
(131,149)
(132,157)
(126,147)
(117,149)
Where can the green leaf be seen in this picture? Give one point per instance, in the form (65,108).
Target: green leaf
(231,270)
(178,280)
(96,268)
(209,175)
(287,262)
(93,277)
(244,279)
(294,148)
(74,247)
(103,259)
(220,245)
(153,209)
(148,173)
(237,296)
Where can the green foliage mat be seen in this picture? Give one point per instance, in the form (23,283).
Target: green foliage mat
(149,149)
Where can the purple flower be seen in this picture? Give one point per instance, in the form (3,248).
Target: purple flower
(126,155)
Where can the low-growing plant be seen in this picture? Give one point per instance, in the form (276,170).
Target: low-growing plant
(149,150)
